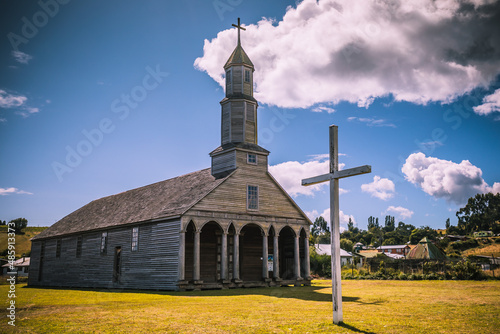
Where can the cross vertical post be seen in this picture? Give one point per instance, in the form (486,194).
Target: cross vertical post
(239,28)
(334,227)
(333,176)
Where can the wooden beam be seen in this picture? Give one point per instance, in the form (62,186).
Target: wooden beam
(337,175)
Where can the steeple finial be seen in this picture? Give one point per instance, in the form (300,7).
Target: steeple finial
(239,28)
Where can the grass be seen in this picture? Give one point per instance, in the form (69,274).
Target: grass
(487,250)
(369,307)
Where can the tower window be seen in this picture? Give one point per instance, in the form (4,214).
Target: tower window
(247,76)
(104,242)
(228,77)
(251,159)
(135,239)
(253,197)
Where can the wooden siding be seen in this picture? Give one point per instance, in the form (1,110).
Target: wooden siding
(237,120)
(237,79)
(231,196)
(248,86)
(226,123)
(153,266)
(250,123)
(224,162)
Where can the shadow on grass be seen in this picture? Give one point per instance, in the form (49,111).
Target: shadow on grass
(354,329)
(309,293)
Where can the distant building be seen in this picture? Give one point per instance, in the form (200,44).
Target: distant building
(326,249)
(482,234)
(21,266)
(394,251)
(426,250)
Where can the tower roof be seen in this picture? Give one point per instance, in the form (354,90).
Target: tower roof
(239,57)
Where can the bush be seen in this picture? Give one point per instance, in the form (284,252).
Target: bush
(466,270)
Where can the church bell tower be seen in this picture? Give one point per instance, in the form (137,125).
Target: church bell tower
(239,117)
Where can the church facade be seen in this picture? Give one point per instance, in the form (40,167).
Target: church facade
(231,225)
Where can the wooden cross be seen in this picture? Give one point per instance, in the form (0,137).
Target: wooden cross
(239,28)
(334,176)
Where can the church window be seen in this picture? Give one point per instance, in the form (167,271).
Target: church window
(252,197)
(58,248)
(247,76)
(228,77)
(117,264)
(79,247)
(104,242)
(251,159)
(135,239)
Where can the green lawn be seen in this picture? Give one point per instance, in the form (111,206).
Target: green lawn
(369,307)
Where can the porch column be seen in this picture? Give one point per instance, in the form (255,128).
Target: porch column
(182,255)
(223,269)
(276,257)
(196,256)
(236,256)
(307,263)
(265,272)
(297,257)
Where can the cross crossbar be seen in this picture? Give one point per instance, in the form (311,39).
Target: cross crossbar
(239,27)
(337,175)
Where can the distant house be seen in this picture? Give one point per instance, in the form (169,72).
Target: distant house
(394,251)
(482,234)
(21,266)
(326,249)
(426,250)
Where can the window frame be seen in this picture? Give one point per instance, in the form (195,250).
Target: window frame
(104,242)
(251,198)
(134,245)
(79,242)
(247,76)
(249,161)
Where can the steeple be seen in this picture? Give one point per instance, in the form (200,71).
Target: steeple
(239,113)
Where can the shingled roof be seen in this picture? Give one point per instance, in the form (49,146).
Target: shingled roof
(164,199)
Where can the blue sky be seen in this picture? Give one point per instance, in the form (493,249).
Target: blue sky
(100,97)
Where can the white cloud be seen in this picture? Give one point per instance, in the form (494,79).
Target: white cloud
(446,179)
(322,109)
(290,174)
(372,121)
(11,101)
(400,212)
(380,188)
(18,102)
(9,191)
(3,120)
(491,103)
(344,219)
(330,51)
(21,57)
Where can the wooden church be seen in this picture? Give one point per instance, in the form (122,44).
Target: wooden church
(231,225)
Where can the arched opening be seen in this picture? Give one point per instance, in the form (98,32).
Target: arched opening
(302,251)
(188,252)
(210,252)
(286,253)
(251,253)
(230,251)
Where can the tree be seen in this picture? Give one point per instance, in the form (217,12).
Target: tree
(320,230)
(19,224)
(346,244)
(481,213)
(389,224)
(3,222)
(421,232)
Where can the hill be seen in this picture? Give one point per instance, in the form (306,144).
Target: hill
(23,243)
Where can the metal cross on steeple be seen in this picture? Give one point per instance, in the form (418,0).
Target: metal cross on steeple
(239,28)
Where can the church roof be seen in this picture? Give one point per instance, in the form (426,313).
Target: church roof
(238,57)
(426,250)
(164,199)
